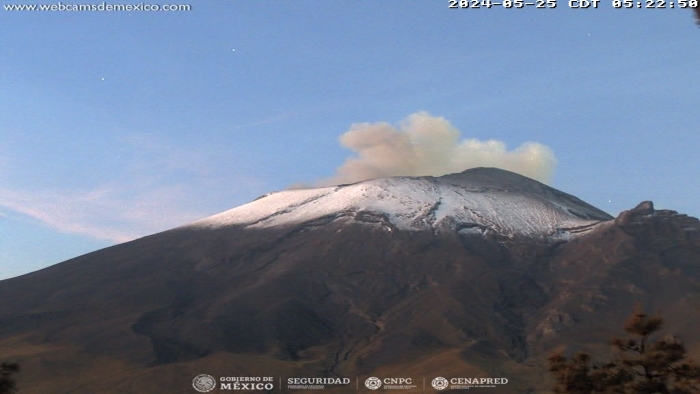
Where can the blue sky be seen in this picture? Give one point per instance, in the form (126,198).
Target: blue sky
(116,125)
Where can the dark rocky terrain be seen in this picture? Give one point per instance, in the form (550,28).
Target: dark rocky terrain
(351,296)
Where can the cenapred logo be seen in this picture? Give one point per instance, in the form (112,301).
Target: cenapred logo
(458,383)
(204,383)
(440,383)
(373,383)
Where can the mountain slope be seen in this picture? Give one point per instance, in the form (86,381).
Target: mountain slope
(354,286)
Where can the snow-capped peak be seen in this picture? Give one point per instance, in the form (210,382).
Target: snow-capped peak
(485,198)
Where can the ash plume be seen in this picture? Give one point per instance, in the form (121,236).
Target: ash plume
(423,144)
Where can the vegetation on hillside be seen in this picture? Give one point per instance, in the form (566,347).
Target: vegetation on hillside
(7,383)
(644,364)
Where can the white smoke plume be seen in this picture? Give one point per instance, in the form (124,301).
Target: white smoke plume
(427,145)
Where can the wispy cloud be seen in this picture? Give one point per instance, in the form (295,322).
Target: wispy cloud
(100,213)
(159,186)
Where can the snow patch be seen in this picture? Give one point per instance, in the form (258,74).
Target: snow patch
(507,205)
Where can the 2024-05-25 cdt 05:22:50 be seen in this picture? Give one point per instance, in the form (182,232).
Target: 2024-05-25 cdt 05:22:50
(572,4)
(504,3)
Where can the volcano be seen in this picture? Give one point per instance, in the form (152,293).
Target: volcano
(476,274)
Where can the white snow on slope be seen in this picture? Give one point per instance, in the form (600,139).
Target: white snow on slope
(504,202)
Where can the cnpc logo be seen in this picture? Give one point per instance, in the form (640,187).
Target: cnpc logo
(374,383)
